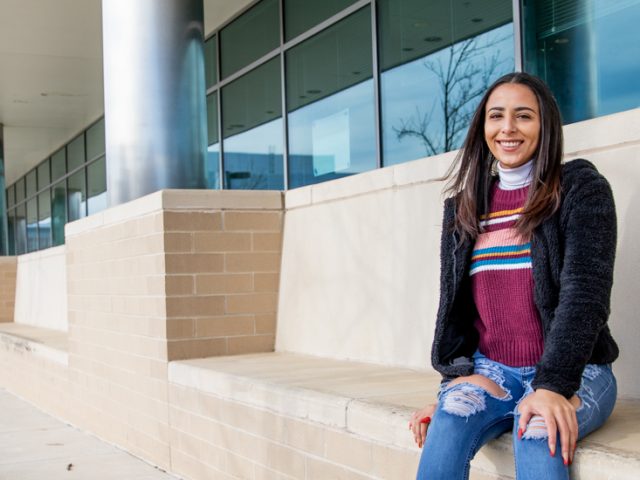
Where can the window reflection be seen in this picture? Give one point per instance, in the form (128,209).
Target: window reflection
(330,103)
(576,46)
(97,182)
(11,231)
(44,220)
(58,212)
(32,225)
(253,159)
(437,59)
(212,161)
(252,130)
(76,196)
(301,15)
(250,36)
(21,229)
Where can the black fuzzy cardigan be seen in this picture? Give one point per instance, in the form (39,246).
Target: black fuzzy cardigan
(572,255)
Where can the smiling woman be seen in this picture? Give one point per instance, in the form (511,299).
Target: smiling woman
(536,365)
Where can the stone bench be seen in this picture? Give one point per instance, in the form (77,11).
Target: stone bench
(45,343)
(303,417)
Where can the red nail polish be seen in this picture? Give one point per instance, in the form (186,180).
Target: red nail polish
(566,462)
(552,453)
(520,432)
(426,420)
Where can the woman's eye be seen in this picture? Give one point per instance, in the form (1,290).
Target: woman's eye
(495,116)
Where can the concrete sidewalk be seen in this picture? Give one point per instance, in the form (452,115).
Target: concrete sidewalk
(35,446)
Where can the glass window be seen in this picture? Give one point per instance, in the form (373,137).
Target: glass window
(20,190)
(76,196)
(44,219)
(11,196)
(58,212)
(584,49)
(301,15)
(252,129)
(32,184)
(32,225)
(436,60)
(97,181)
(212,167)
(11,231)
(330,103)
(210,62)
(58,164)
(44,178)
(21,229)
(95,140)
(75,153)
(249,37)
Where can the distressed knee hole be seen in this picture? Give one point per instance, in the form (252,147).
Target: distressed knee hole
(537,429)
(465,400)
(490,386)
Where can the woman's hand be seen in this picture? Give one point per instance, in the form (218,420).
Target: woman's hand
(559,415)
(419,423)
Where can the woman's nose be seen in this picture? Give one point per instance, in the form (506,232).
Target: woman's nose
(508,126)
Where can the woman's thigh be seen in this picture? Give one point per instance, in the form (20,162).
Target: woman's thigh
(468,416)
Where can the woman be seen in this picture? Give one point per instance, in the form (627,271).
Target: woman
(527,258)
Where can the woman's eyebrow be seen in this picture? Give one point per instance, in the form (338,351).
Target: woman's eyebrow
(517,109)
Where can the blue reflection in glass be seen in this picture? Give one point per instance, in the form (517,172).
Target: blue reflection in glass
(416,120)
(21,229)
(32,225)
(212,166)
(588,56)
(44,220)
(333,137)
(253,160)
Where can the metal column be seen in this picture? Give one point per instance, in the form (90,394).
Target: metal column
(4,246)
(154,96)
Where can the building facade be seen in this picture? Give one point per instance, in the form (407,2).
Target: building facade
(302,92)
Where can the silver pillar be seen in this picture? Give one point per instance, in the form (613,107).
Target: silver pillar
(4,246)
(154,96)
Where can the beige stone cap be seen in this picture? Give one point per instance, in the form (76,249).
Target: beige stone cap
(8,260)
(215,200)
(51,345)
(581,138)
(375,402)
(41,254)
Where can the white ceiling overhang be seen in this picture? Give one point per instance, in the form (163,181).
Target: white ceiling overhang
(51,84)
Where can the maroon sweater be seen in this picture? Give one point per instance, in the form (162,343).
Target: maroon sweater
(502,285)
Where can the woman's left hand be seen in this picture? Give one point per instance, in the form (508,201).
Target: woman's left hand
(559,415)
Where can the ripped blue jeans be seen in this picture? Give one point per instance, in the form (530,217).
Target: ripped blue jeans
(468,416)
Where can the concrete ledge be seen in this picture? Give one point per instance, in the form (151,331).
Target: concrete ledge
(179,200)
(45,343)
(372,405)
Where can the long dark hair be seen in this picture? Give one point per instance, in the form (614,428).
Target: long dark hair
(470,184)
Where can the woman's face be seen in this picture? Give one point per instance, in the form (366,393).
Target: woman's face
(512,124)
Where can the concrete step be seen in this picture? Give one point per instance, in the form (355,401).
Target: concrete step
(370,406)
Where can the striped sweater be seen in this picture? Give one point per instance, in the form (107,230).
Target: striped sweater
(508,321)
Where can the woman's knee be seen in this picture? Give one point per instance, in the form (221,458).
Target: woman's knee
(466,396)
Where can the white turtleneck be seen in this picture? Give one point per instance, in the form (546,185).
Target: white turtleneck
(514,178)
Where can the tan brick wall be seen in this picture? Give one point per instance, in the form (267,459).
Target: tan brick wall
(222,281)
(217,438)
(146,285)
(117,332)
(8,272)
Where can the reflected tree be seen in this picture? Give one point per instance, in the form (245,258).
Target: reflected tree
(463,75)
